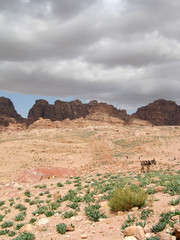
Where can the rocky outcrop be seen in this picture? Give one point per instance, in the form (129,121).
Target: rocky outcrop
(8,113)
(104,108)
(160,112)
(75,109)
(108,113)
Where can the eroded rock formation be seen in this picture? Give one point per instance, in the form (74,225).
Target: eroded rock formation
(75,109)
(8,113)
(160,112)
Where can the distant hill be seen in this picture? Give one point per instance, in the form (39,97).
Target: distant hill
(8,113)
(161,112)
(75,109)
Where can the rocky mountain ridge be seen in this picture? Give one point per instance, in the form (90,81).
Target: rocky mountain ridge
(75,109)
(160,112)
(8,113)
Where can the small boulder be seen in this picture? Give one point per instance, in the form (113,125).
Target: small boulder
(158,188)
(163,235)
(43,221)
(130,238)
(177,230)
(140,233)
(56,196)
(84,236)
(70,228)
(27,228)
(130,231)
(136,231)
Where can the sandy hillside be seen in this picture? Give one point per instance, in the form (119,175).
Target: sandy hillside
(104,155)
(88,146)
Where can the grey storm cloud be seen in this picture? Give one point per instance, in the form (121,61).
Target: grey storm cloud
(122,52)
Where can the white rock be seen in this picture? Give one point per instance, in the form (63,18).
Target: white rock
(78,218)
(130,238)
(43,221)
(148,235)
(84,236)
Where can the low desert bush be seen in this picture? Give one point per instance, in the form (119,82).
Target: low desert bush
(153,238)
(123,199)
(61,228)
(25,236)
(93,213)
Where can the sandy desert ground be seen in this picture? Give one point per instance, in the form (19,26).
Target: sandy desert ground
(89,146)
(93,149)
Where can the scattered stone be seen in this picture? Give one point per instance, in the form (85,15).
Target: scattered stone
(173,209)
(136,231)
(56,196)
(158,188)
(70,228)
(148,235)
(43,221)
(84,236)
(140,233)
(130,231)
(120,213)
(78,218)
(147,229)
(27,228)
(177,230)
(130,238)
(135,182)
(163,235)
(134,209)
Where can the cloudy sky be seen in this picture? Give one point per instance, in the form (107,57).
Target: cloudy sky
(123,52)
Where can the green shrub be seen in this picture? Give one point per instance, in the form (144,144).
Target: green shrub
(61,228)
(20,207)
(142,224)
(4,232)
(7,224)
(166,218)
(153,238)
(160,226)
(93,213)
(11,233)
(27,194)
(32,220)
(59,184)
(27,200)
(73,205)
(1,217)
(54,205)
(123,199)
(19,225)
(49,213)
(25,236)
(175,202)
(2,203)
(20,217)
(145,214)
(43,186)
(172,187)
(68,214)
